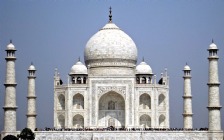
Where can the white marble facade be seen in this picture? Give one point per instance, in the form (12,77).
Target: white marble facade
(110,90)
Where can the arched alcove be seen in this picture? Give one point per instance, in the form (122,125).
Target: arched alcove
(144,101)
(111,110)
(145,121)
(162,119)
(161,101)
(79,80)
(61,121)
(61,102)
(143,80)
(78,121)
(78,101)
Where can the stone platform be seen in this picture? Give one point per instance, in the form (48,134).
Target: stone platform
(129,135)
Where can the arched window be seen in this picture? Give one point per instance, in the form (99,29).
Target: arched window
(145,101)
(162,120)
(61,102)
(111,122)
(111,105)
(137,80)
(78,121)
(145,121)
(73,80)
(79,80)
(149,80)
(84,80)
(61,121)
(78,101)
(143,80)
(161,100)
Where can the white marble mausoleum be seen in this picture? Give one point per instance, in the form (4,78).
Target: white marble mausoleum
(109,88)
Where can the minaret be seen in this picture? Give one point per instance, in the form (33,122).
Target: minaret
(31,99)
(187,114)
(213,89)
(10,90)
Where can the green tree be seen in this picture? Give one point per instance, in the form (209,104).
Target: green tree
(10,137)
(26,134)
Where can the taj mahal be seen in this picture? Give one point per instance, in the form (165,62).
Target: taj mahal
(110,90)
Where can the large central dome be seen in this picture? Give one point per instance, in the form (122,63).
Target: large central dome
(110,46)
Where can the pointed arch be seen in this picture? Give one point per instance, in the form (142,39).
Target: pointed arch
(145,121)
(161,100)
(78,121)
(111,110)
(78,101)
(84,80)
(79,80)
(61,102)
(162,119)
(143,80)
(137,80)
(145,101)
(61,121)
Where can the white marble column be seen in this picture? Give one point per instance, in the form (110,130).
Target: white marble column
(213,90)
(10,90)
(187,114)
(31,99)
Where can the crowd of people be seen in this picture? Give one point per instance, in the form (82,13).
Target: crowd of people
(111,128)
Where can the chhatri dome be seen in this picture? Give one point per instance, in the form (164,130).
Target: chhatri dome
(78,68)
(143,68)
(110,46)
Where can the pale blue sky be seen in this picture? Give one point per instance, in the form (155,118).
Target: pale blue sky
(168,33)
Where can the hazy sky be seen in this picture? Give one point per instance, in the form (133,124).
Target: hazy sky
(168,33)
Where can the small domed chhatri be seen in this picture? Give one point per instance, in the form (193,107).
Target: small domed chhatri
(186,67)
(78,68)
(10,46)
(213,46)
(143,68)
(31,67)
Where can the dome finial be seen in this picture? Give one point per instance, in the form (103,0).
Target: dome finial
(79,58)
(31,63)
(10,41)
(212,40)
(143,60)
(110,15)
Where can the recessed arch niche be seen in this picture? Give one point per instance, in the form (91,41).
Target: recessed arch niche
(111,110)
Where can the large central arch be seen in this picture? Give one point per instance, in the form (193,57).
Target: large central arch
(111,110)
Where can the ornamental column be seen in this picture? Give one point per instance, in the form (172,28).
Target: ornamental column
(187,97)
(31,99)
(213,90)
(10,90)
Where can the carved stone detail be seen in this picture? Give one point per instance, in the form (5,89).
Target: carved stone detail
(104,89)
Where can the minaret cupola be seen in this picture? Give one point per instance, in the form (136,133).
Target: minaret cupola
(213,49)
(10,49)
